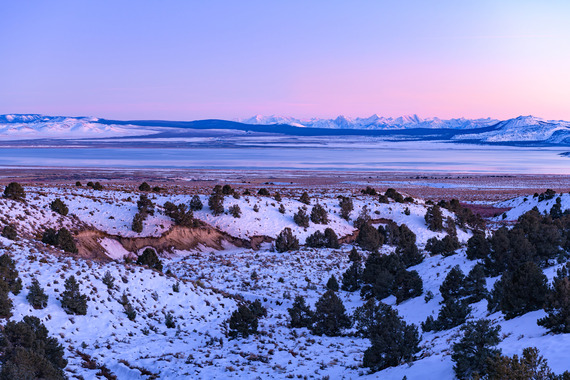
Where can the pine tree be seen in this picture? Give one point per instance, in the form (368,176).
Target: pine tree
(300,313)
(332,284)
(216,203)
(453,284)
(434,218)
(65,240)
(37,297)
(556,210)
(531,365)
(473,352)
(145,205)
(286,241)
(305,198)
(475,285)
(346,207)
(362,219)
(557,303)
(137,225)
(330,315)
(29,353)
(354,256)
(150,259)
(58,206)
(243,322)
(196,203)
(368,238)
(331,239)
(392,340)
(315,240)
(521,291)
(407,285)
(14,191)
(410,255)
(5,301)
(453,313)
(301,218)
(9,274)
(351,278)
(477,246)
(319,215)
(72,301)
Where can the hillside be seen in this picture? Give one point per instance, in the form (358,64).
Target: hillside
(200,287)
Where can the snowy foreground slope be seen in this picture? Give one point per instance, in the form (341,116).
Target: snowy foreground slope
(213,280)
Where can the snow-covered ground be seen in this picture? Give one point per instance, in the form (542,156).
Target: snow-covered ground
(211,281)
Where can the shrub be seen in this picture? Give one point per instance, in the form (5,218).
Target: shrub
(29,353)
(392,340)
(234,211)
(150,259)
(97,186)
(37,297)
(301,218)
(362,219)
(330,315)
(145,205)
(319,215)
(473,352)
(216,203)
(144,187)
(305,198)
(277,197)
(332,284)
(243,322)
(137,225)
(346,207)
(50,237)
(196,203)
(369,191)
(108,280)
(65,240)
(10,232)
(300,313)
(14,191)
(181,215)
(169,320)
(58,206)
(286,241)
(263,192)
(72,301)
(78,184)
(282,209)
(258,310)
(9,275)
(392,193)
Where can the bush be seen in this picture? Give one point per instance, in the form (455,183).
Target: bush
(97,186)
(263,192)
(300,313)
(181,215)
(301,218)
(150,259)
(72,301)
(169,321)
(286,241)
(473,352)
(346,207)
(58,206)
(392,193)
(305,198)
(234,211)
(330,315)
(369,191)
(392,340)
(78,184)
(50,237)
(277,197)
(144,187)
(108,280)
(145,205)
(196,203)
(37,297)
(243,322)
(14,191)
(282,209)
(29,353)
(10,232)
(332,284)
(520,291)
(319,215)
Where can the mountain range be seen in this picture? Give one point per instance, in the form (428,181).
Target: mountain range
(525,130)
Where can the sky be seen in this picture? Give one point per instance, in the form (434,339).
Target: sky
(186,60)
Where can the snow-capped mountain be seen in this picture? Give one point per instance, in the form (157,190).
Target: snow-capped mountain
(373,122)
(33,126)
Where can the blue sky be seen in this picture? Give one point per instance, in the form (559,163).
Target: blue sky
(228,59)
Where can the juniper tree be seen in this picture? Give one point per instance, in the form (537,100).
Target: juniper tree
(36,296)
(407,284)
(434,218)
(28,352)
(145,205)
(65,240)
(305,198)
(301,218)
(5,301)
(263,192)
(234,211)
(331,239)
(216,203)
(286,241)
(332,284)
(277,197)
(137,225)
(362,219)
(354,256)
(453,284)
(196,203)
(319,215)
(50,237)
(9,275)
(346,207)
(150,259)
(243,322)
(108,280)
(227,189)
(475,285)
(58,206)
(300,313)
(315,240)
(392,193)
(144,187)
(557,303)
(368,238)
(330,315)
(478,246)
(531,365)
(14,191)
(472,354)
(351,278)
(72,300)
(392,340)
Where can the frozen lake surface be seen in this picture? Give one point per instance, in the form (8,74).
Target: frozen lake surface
(377,155)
